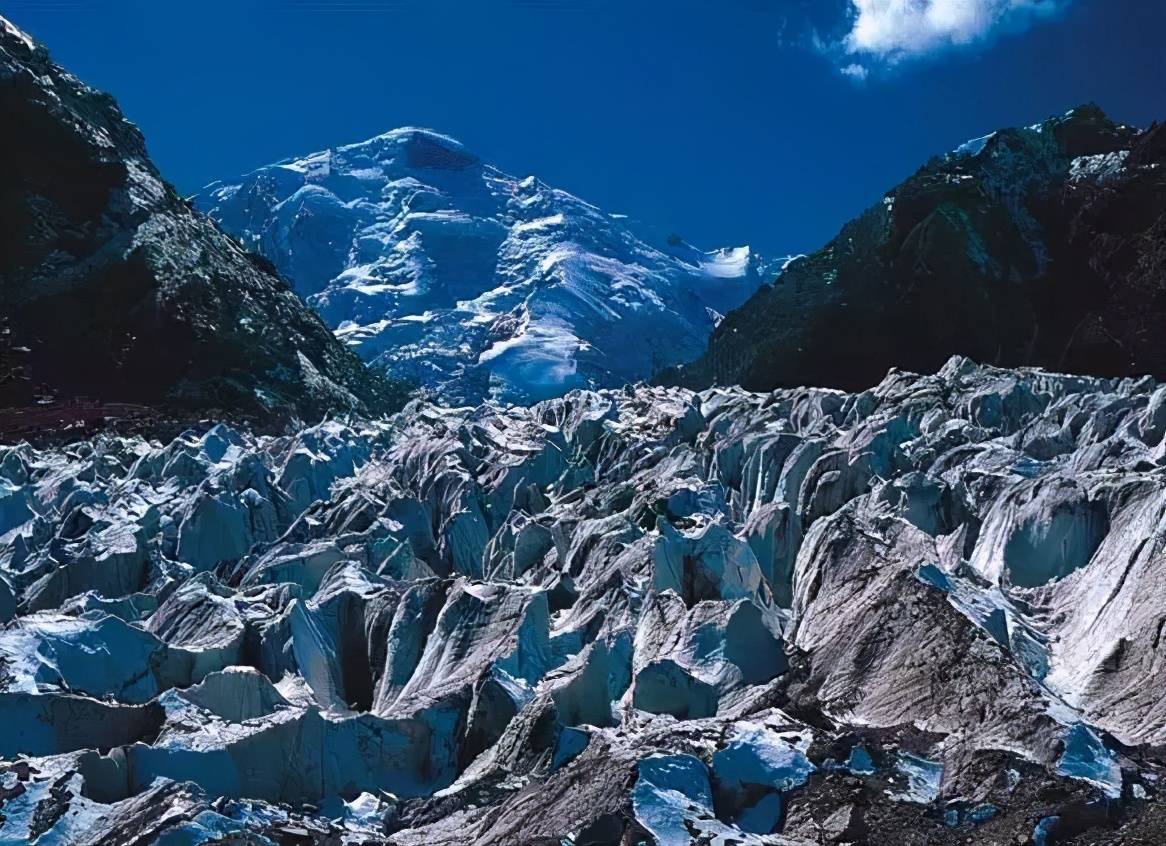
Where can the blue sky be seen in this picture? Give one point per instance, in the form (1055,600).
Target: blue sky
(767,122)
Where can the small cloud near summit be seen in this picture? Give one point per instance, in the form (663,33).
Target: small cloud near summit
(855,71)
(886,32)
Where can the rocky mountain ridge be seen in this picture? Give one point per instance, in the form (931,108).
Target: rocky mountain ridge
(1042,246)
(115,290)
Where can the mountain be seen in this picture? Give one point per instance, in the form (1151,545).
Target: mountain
(920,611)
(1043,245)
(444,270)
(925,613)
(114,289)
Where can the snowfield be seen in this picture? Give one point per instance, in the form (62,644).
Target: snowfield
(447,271)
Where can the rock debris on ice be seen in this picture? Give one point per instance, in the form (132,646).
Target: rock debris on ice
(643,613)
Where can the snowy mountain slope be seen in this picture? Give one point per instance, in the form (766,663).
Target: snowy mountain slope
(441,268)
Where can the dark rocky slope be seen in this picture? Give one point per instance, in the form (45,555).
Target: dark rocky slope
(926,613)
(1038,246)
(112,288)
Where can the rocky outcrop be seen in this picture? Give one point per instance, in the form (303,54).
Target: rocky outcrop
(113,289)
(1039,246)
(922,613)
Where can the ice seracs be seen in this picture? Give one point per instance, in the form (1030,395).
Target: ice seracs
(784,618)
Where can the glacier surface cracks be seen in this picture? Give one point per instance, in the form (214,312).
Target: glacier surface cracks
(645,613)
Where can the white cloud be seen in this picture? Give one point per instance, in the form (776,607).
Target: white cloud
(856,72)
(892,30)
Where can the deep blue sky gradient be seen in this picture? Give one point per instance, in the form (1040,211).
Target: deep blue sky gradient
(715,120)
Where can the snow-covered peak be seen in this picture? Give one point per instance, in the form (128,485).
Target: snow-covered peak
(446,270)
(403,134)
(413,147)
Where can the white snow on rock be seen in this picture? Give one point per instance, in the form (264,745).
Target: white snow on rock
(445,270)
(16,32)
(974,147)
(1100,168)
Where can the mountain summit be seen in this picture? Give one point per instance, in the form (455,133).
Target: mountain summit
(443,269)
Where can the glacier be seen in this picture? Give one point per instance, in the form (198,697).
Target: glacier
(634,615)
(475,284)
